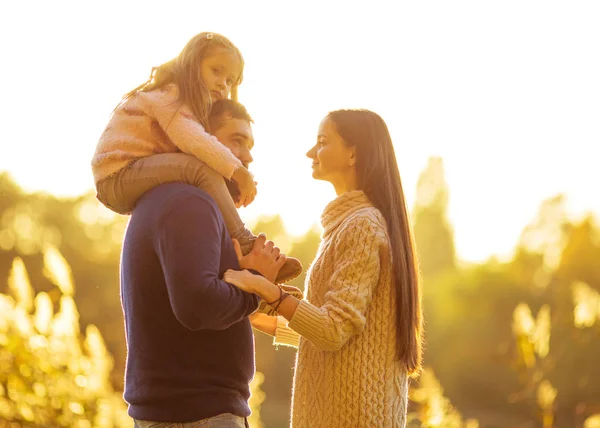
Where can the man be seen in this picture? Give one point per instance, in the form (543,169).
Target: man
(190,347)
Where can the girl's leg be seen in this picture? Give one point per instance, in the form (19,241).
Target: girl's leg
(122,191)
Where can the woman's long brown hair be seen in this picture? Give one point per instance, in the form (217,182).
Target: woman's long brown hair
(379,178)
(184,71)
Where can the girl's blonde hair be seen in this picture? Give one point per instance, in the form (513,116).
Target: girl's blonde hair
(184,71)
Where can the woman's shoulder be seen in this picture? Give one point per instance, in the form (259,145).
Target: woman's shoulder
(366,219)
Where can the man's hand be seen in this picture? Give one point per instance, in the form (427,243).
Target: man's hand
(264,257)
(246,184)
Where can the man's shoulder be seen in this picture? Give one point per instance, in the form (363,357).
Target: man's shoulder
(176,198)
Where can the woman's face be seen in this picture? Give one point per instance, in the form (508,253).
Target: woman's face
(333,160)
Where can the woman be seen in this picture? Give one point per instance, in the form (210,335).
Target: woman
(359,331)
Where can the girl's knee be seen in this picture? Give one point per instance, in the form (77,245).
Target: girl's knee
(202,173)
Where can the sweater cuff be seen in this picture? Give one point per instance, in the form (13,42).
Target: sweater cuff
(285,335)
(307,320)
(231,167)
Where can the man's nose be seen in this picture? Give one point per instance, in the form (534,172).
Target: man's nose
(310,153)
(247,157)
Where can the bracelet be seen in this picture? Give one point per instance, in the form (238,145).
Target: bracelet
(281,299)
(278,299)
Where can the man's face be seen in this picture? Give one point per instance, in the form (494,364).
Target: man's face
(236,135)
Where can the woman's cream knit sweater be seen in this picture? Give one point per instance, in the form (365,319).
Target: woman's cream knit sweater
(347,373)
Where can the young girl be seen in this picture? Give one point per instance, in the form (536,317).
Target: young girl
(159,133)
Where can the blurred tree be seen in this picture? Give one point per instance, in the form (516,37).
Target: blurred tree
(433,233)
(573,295)
(565,278)
(305,249)
(257,396)
(469,338)
(273,227)
(50,374)
(87,235)
(429,407)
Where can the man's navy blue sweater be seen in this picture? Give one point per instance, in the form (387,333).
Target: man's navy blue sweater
(190,348)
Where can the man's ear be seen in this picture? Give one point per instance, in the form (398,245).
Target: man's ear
(215,122)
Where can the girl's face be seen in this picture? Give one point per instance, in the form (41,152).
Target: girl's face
(219,72)
(333,160)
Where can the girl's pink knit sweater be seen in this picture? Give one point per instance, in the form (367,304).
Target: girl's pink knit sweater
(152,123)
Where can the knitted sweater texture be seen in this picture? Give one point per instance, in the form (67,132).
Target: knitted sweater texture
(347,373)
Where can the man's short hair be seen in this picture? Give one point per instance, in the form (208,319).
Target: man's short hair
(227,107)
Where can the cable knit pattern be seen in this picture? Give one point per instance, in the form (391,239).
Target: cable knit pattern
(157,122)
(347,374)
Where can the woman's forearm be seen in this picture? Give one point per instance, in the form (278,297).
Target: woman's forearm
(264,323)
(270,293)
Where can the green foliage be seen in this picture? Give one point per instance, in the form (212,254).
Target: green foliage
(432,408)
(433,233)
(87,235)
(51,374)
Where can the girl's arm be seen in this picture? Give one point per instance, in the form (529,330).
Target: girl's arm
(180,125)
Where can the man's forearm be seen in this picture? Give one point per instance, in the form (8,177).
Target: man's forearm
(211,305)
(190,258)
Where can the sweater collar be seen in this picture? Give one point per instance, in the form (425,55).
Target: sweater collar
(341,207)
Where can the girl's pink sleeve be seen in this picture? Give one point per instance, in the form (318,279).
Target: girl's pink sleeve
(187,133)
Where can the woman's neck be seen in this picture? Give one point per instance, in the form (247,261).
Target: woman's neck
(345,184)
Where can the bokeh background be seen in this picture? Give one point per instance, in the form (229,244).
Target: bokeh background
(493,110)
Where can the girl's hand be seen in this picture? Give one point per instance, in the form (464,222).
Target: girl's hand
(264,257)
(245,181)
(246,281)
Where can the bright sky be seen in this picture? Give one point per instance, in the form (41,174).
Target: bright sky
(506,92)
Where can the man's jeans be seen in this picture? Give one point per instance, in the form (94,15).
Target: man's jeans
(225,420)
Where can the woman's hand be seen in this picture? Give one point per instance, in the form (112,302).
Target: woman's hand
(266,290)
(246,281)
